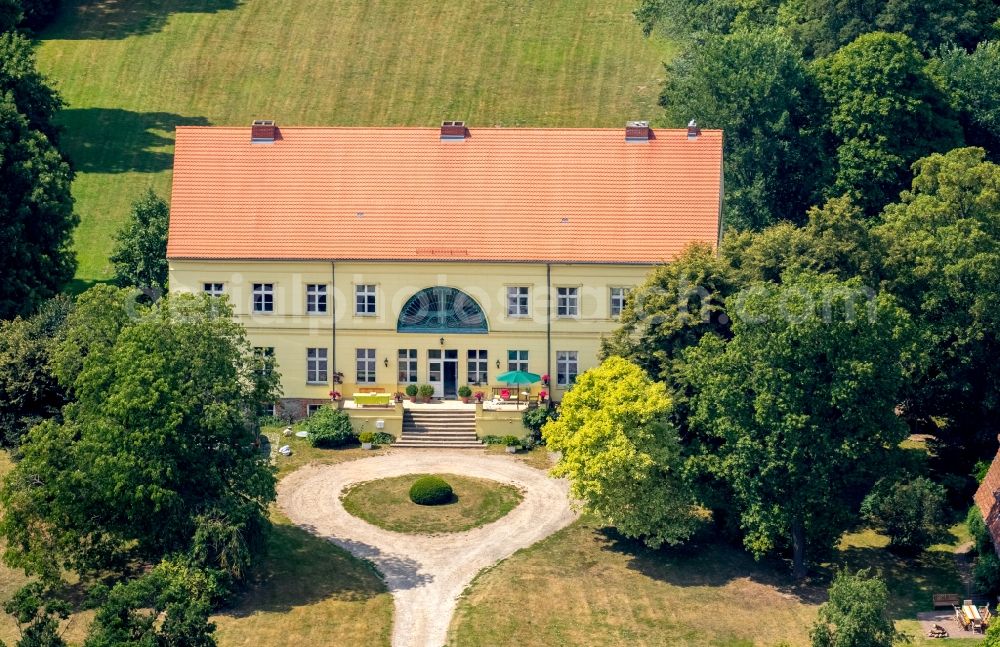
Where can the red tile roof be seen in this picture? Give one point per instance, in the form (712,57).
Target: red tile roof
(987,501)
(502,194)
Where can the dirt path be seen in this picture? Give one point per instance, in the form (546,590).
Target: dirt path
(426,574)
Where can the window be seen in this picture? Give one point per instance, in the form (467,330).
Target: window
(364,299)
(566,367)
(316,365)
(264,356)
(315,298)
(618,296)
(213,289)
(263,297)
(567,302)
(517,302)
(366,365)
(268,410)
(313,408)
(517,360)
(478,367)
(407,366)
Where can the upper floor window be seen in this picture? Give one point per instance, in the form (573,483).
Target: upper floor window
(517,360)
(364,299)
(517,301)
(566,367)
(316,365)
(315,298)
(366,365)
(478,367)
(618,296)
(567,302)
(407,365)
(263,297)
(213,289)
(264,357)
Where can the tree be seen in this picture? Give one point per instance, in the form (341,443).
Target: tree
(157,456)
(802,399)
(886,113)
(140,254)
(621,456)
(19,75)
(942,260)
(968,79)
(39,13)
(679,18)
(909,511)
(37,609)
(754,86)
(29,391)
(856,614)
(10,14)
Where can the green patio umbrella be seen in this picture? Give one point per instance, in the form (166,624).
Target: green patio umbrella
(519,377)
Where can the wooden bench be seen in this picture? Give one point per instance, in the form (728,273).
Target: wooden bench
(945,600)
(370,389)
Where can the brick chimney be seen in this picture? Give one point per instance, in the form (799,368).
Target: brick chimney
(637,131)
(453,131)
(263,131)
(693,130)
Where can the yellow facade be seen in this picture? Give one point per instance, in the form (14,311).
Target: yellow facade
(290,330)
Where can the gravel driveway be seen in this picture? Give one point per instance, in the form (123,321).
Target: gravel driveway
(424,573)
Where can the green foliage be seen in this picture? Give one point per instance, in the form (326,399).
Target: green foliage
(30,91)
(383,438)
(431,490)
(329,428)
(534,419)
(10,15)
(969,79)
(366,437)
(490,439)
(942,260)
(140,254)
(29,391)
(411,390)
(464,391)
(676,18)
(38,13)
(856,614)
(511,441)
(801,401)
(156,449)
(756,87)
(37,608)
(986,572)
(992,635)
(886,113)
(621,456)
(910,511)
(425,390)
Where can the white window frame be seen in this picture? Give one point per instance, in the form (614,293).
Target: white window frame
(618,296)
(263,298)
(214,289)
(365,365)
(316,298)
(368,292)
(568,301)
(518,301)
(517,360)
(478,364)
(567,367)
(406,371)
(317,366)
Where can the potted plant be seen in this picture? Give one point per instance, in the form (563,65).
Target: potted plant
(334,395)
(426,392)
(465,393)
(480,396)
(543,395)
(367,439)
(411,390)
(398,397)
(513,443)
(545,380)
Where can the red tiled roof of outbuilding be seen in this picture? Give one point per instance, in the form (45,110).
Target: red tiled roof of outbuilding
(501,194)
(987,501)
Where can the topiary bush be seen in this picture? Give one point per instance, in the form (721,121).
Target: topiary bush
(431,490)
(426,391)
(329,427)
(411,390)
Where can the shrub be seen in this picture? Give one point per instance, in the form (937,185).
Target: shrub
(909,511)
(535,419)
(382,438)
(329,427)
(426,390)
(464,392)
(430,490)
(512,441)
(986,572)
(492,440)
(411,390)
(366,437)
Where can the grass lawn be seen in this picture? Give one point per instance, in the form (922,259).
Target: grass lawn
(132,70)
(586,585)
(386,504)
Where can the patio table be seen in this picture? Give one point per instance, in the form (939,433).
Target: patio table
(971,612)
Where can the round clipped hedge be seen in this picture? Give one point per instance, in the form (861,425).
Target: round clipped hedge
(430,490)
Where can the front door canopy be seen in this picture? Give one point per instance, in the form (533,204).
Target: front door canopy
(442,310)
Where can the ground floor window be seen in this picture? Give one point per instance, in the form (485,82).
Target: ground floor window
(407,366)
(268,410)
(566,367)
(478,367)
(313,408)
(366,365)
(316,365)
(517,360)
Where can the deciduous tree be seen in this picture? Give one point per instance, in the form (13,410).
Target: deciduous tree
(856,614)
(140,253)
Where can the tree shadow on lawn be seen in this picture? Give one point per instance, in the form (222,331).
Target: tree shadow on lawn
(303,569)
(115,19)
(110,140)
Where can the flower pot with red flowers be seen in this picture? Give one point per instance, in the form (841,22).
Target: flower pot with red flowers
(334,395)
(545,380)
(479,396)
(543,395)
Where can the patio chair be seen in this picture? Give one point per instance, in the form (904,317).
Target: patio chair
(964,622)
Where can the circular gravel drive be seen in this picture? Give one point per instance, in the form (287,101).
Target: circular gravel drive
(425,573)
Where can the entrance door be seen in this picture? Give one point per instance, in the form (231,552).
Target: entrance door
(451,374)
(435,372)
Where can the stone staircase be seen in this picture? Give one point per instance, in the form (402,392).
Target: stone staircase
(446,428)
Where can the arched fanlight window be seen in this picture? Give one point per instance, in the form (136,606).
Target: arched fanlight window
(442,310)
